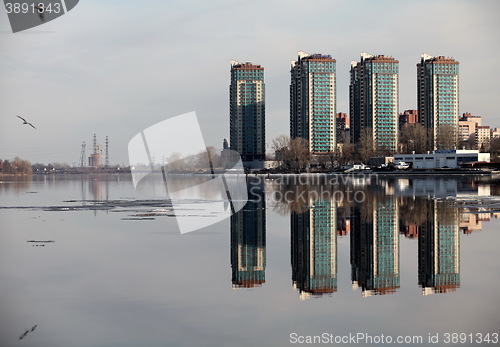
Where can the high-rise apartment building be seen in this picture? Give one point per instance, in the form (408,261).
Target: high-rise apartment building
(313,101)
(374,98)
(438,99)
(247,110)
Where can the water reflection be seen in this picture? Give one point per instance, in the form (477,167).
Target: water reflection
(375,246)
(248,240)
(439,249)
(429,210)
(314,249)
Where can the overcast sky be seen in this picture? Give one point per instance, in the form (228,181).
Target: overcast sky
(116,67)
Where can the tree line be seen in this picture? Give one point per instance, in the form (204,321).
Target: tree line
(293,154)
(16,166)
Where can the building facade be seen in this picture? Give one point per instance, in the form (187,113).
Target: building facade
(313,101)
(374,100)
(442,159)
(343,125)
(483,138)
(247,111)
(438,100)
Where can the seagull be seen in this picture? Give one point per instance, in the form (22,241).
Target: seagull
(41,11)
(26,122)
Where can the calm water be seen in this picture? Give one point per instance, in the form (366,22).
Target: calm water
(84,261)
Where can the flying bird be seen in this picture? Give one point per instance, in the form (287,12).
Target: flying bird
(41,11)
(26,122)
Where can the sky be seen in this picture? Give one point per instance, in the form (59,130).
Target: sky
(114,68)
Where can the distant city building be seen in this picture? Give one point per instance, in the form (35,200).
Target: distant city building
(374,98)
(483,138)
(438,100)
(248,242)
(375,247)
(225,144)
(247,111)
(439,250)
(343,125)
(467,126)
(408,117)
(495,133)
(313,101)
(314,249)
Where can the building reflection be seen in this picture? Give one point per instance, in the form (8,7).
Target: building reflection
(375,246)
(314,249)
(439,249)
(248,240)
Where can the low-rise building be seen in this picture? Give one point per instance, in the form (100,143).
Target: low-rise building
(442,159)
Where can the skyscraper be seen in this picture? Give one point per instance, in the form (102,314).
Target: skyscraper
(374,97)
(313,101)
(437,83)
(247,111)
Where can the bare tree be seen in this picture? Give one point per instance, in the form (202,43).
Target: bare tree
(365,145)
(413,137)
(469,143)
(299,153)
(446,137)
(495,148)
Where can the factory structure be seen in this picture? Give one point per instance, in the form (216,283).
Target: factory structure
(99,158)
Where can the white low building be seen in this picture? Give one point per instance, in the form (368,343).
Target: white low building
(442,159)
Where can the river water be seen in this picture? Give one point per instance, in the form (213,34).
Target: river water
(86,261)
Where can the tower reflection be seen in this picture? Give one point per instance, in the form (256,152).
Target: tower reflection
(314,249)
(248,240)
(375,246)
(439,250)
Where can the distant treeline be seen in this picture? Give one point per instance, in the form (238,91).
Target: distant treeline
(16,166)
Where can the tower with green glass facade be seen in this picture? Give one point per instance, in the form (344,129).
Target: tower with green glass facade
(374,101)
(438,100)
(247,111)
(313,100)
